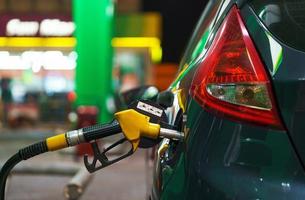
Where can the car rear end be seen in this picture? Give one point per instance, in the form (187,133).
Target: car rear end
(245,115)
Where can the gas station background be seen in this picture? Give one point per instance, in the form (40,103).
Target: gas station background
(39,58)
(64,65)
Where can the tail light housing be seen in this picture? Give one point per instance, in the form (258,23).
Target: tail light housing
(231,80)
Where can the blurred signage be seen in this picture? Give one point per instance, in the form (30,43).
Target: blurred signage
(17,28)
(37,60)
(36,25)
(47,27)
(60,25)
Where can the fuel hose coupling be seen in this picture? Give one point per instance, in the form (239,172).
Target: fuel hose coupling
(61,141)
(75,137)
(83,135)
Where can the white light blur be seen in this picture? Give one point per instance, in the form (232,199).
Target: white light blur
(47,27)
(56,27)
(55,60)
(35,60)
(13,63)
(16,27)
(18,91)
(4,54)
(55,84)
(36,67)
(73,55)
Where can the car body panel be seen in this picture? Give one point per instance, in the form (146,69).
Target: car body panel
(287,70)
(228,160)
(224,159)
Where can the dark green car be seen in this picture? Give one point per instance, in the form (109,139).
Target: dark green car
(240,100)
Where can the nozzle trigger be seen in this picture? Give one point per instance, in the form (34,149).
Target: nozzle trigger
(102,158)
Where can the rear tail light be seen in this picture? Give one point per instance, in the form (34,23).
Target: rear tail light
(231,80)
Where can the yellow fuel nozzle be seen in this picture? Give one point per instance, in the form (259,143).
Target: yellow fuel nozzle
(134,125)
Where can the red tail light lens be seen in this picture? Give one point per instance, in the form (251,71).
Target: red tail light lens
(231,80)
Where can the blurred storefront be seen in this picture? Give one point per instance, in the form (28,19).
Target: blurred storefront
(38,58)
(37,66)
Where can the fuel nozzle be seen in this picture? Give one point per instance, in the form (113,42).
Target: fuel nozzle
(143,119)
(136,125)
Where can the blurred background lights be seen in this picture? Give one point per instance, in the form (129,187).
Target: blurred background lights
(35,60)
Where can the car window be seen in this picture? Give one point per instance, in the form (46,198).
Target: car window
(201,32)
(284,18)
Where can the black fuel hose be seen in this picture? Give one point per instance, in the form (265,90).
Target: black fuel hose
(5,171)
(55,143)
(23,154)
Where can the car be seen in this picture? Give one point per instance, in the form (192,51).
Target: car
(239,98)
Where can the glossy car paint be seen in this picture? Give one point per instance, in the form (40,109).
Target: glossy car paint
(288,77)
(223,159)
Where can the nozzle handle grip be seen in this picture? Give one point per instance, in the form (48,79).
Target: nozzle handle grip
(101,130)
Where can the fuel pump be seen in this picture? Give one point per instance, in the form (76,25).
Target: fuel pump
(143,119)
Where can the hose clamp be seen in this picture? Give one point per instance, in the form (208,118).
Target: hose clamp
(75,137)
